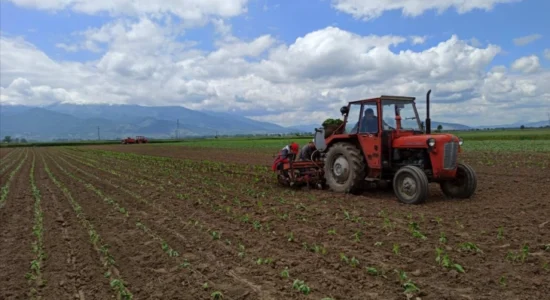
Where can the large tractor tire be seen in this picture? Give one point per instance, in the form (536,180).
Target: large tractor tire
(463,186)
(411,185)
(345,168)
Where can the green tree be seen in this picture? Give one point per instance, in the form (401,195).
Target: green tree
(439,128)
(7,139)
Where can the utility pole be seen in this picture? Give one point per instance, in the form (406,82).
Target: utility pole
(98,138)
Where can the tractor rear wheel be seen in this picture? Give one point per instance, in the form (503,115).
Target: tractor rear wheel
(463,185)
(345,168)
(410,185)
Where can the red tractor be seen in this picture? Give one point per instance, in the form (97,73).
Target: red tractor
(141,139)
(128,140)
(138,140)
(383,139)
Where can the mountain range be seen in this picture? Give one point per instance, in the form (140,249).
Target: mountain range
(75,121)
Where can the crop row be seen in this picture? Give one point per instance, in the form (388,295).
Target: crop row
(106,258)
(5,189)
(236,202)
(262,230)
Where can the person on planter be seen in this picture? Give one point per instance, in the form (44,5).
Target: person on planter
(309,150)
(288,153)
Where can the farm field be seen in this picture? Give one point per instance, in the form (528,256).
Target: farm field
(206,221)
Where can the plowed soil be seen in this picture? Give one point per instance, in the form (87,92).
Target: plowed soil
(190,223)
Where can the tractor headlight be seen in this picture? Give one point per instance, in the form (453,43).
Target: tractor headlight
(431,142)
(460,141)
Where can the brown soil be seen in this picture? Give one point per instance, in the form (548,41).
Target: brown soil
(205,211)
(16,220)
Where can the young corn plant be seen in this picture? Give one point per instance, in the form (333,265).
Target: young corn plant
(442,258)
(301,286)
(217,295)
(520,256)
(500,233)
(285,273)
(469,246)
(395,248)
(442,238)
(415,230)
(408,285)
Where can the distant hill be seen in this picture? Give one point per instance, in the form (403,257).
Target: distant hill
(117,121)
(73,121)
(518,125)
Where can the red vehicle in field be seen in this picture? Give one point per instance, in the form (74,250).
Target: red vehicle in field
(383,139)
(138,140)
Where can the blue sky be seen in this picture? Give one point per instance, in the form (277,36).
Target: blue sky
(288,20)
(285,21)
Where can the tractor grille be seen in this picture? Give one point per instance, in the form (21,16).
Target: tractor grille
(450,153)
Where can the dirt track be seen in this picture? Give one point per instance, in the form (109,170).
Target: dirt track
(172,225)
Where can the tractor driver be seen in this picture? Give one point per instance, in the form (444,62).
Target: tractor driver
(369,123)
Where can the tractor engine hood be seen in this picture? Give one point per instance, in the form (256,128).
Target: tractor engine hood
(424,140)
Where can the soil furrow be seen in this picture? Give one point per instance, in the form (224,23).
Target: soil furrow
(145,259)
(473,220)
(72,268)
(16,221)
(196,248)
(263,241)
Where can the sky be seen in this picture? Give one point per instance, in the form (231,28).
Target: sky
(296,62)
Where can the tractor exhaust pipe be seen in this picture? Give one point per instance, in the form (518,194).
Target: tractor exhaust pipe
(428,120)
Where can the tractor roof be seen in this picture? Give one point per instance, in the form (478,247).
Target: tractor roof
(385,97)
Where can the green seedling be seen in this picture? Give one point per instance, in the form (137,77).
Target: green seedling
(291,237)
(443,259)
(468,246)
(500,233)
(301,286)
(502,280)
(372,271)
(344,258)
(285,273)
(395,249)
(442,238)
(354,262)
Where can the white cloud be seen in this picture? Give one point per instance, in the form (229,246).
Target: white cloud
(524,40)
(475,42)
(191,11)
(149,62)
(547,53)
(527,64)
(367,10)
(417,40)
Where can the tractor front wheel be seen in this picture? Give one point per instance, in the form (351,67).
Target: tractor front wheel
(345,168)
(463,185)
(410,185)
